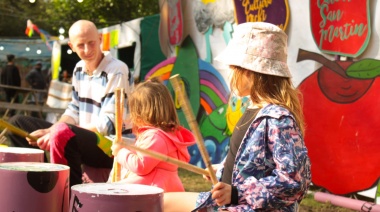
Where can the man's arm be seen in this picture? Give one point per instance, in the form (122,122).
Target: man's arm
(67,119)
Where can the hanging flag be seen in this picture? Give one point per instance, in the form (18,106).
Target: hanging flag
(114,41)
(30,28)
(106,41)
(29,31)
(45,36)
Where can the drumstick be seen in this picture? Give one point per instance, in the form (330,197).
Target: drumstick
(16,130)
(119,109)
(168,159)
(186,108)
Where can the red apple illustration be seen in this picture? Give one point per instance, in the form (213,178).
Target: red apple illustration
(333,80)
(342,125)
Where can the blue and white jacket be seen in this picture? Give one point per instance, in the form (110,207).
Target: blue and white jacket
(272,167)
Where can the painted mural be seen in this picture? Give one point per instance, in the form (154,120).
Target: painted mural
(217,110)
(334,59)
(208,95)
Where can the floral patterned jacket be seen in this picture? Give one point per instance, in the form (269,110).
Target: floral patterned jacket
(272,167)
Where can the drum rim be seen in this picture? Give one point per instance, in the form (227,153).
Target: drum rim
(154,190)
(30,166)
(32,150)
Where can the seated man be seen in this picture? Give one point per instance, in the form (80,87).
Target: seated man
(78,136)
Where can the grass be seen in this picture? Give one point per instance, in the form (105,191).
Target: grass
(195,183)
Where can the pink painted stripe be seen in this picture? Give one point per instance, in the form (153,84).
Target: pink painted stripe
(209,84)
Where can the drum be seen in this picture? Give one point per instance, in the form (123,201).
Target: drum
(20,154)
(104,197)
(30,186)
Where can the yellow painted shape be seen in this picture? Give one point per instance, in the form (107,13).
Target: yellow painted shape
(163,70)
(233,116)
(208,1)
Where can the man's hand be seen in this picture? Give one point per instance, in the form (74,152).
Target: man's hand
(43,136)
(221,193)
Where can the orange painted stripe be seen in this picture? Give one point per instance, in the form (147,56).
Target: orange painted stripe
(206,106)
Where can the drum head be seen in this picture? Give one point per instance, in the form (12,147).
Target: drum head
(116,197)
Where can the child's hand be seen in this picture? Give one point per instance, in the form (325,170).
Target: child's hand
(221,193)
(214,168)
(115,149)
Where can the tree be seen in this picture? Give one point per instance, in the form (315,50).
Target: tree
(50,15)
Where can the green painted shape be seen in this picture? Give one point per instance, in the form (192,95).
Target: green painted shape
(213,96)
(364,69)
(215,124)
(186,65)
(151,53)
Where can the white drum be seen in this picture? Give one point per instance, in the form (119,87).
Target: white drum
(20,154)
(104,197)
(30,186)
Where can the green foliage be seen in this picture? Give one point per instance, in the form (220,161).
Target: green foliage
(50,15)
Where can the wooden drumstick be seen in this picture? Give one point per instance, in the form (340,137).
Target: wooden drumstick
(186,108)
(168,159)
(119,110)
(16,130)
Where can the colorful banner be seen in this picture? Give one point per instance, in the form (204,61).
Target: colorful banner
(45,36)
(275,12)
(175,22)
(341,27)
(106,41)
(114,38)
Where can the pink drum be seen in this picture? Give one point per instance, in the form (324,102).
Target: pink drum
(30,186)
(19,154)
(104,197)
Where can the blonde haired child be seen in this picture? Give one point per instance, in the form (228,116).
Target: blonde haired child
(156,126)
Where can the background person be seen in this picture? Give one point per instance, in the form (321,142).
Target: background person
(36,80)
(10,75)
(78,137)
(267,167)
(65,77)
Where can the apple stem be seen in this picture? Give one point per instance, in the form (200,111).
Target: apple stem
(307,55)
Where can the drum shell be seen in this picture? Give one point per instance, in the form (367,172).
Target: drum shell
(30,186)
(20,154)
(84,200)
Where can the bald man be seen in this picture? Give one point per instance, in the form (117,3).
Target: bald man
(78,137)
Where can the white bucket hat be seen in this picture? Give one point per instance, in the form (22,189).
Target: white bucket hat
(259,47)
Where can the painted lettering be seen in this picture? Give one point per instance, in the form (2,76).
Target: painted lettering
(322,9)
(326,2)
(342,32)
(256,5)
(326,14)
(259,17)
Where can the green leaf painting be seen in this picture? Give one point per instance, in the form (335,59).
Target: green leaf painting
(364,69)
